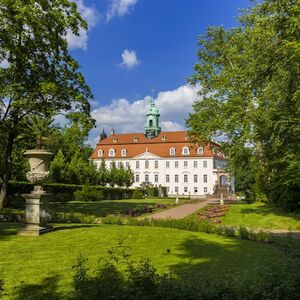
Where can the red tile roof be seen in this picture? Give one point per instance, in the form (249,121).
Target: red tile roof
(136,144)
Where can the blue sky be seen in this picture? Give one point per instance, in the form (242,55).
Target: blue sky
(135,46)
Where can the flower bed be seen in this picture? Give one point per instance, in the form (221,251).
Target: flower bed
(212,212)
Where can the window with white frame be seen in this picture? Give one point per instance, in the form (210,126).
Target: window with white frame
(176,164)
(136,139)
(111,164)
(167,164)
(137,178)
(119,164)
(185,189)
(176,189)
(167,178)
(115,140)
(123,152)
(185,178)
(185,151)
(146,164)
(100,152)
(185,164)
(176,178)
(147,177)
(164,138)
(156,178)
(172,151)
(205,164)
(156,164)
(137,164)
(127,164)
(195,189)
(195,164)
(204,178)
(195,178)
(205,190)
(200,150)
(111,152)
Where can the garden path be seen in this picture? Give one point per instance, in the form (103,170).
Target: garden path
(180,211)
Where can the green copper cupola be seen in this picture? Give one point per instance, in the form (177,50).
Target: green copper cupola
(152,128)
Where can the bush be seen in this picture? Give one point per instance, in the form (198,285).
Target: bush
(152,192)
(140,280)
(68,190)
(137,194)
(88,193)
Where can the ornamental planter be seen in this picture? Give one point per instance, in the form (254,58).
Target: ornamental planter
(36,204)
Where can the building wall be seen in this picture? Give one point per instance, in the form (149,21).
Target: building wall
(189,166)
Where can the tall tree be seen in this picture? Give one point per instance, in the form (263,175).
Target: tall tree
(249,79)
(41,77)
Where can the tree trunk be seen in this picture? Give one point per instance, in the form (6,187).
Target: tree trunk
(7,167)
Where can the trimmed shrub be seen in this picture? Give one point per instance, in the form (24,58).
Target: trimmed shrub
(137,194)
(152,192)
(68,190)
(88,193)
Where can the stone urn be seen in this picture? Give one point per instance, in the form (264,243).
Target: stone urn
(36,204)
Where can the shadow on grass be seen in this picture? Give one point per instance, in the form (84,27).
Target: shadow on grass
(47,289)
(7,230)
(99,209)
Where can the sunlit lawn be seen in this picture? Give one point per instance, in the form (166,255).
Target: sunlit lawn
(259,215)
(46,261)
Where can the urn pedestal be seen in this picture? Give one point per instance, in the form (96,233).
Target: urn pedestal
(36,216)
(36,205)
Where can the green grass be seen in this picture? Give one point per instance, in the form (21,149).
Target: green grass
(102,208)
(96,209)
(259,215)
(46,262)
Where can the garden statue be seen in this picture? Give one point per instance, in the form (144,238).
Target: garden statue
(221,200)
(36,203)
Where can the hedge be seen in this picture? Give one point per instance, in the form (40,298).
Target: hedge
(109,193)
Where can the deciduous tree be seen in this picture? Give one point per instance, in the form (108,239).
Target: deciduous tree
(41,77)
(249,97)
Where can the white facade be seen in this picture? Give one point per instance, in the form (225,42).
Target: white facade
(188,176)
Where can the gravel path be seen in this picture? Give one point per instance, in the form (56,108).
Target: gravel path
(179,212)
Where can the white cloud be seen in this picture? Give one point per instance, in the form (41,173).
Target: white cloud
(125,116)
(91,16)
(129,59)
(119,8)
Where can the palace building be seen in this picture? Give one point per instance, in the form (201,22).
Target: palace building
(166,158)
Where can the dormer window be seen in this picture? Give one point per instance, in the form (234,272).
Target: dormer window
(100,152)
(123,152)
(185,151)
(164,138)
(200,150)
(172,151)
(115,140)
(135,139)
(111,152)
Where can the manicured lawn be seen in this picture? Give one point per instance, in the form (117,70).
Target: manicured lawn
(83,210)
(102,208)
(46,262)
(260,215)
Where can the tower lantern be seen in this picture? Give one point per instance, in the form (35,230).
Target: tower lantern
(152,128)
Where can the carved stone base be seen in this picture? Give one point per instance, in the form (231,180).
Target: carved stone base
(36,215)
